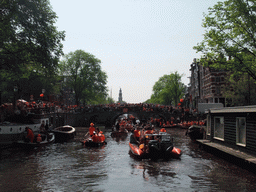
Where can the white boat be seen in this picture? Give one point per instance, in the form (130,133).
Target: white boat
(10,132)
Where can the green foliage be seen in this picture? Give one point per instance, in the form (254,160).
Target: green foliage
(27,33)
(230,33)
(240,89)
(30,46)
(168,90)
(84,75)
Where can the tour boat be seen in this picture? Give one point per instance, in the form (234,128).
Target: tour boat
(156,146)
(46,140)
(64,133)
(11,132)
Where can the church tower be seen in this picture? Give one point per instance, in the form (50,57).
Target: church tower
(120,99)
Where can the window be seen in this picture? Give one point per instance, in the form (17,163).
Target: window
(241,130)
(219,127)
(218,90)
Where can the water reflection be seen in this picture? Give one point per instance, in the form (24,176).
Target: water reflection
(72,167)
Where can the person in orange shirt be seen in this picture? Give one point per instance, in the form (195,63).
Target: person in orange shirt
(38,138)
(95,137)
(91,129)
(30,135)
(162,130)
(136,133)
(102,137)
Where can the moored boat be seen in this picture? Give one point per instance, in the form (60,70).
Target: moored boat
(46,140)
(195,132)
(64,133)
(11,132)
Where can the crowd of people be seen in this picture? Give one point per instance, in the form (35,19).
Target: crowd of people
(96,135)
(179,114)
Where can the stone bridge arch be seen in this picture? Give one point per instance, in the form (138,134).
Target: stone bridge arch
(108,118)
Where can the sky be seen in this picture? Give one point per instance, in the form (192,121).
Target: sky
(137,41)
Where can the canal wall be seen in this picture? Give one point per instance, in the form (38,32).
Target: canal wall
(235,156)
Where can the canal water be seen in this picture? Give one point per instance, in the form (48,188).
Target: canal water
(72,167)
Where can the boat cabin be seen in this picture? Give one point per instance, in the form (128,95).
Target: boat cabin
(233,126)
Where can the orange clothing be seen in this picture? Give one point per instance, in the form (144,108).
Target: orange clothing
(91,130)
(136,133)
(30,135)
(162,130)
(101,137)
(38,138)
(95,138)
(148,132)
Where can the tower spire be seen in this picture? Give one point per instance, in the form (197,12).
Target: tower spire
(120,98)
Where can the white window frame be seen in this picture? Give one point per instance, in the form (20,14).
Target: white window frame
(215,131)
(238,132)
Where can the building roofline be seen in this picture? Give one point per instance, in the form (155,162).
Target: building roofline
(238,109)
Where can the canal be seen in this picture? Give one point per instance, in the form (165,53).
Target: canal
(72,167)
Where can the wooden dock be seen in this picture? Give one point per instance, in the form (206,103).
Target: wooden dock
(240,158)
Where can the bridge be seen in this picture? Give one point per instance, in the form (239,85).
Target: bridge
(108,116)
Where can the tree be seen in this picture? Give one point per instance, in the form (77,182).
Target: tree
(237,90)
(168,90)
(230,33)
(85,76)
(28,39)
(28,34)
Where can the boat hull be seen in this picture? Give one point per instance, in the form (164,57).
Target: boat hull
(90,143)
(28,145)
(195,133)
(64,133)
(10,133)
(161,148)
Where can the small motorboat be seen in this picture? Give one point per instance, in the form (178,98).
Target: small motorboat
(89,143)
(195,132)
(46,140)
(64,133)
(155,146)
(94,141)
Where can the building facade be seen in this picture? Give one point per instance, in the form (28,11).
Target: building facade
(205,85)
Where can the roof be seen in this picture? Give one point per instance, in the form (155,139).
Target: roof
(239,109)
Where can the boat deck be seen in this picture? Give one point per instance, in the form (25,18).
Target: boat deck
(240,158)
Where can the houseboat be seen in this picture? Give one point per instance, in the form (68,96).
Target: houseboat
(233,126)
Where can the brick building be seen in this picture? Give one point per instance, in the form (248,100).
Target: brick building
(205,85)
